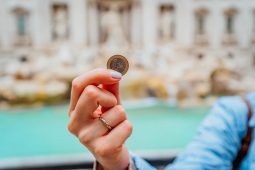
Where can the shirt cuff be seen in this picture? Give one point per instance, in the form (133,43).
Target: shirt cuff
(98,166)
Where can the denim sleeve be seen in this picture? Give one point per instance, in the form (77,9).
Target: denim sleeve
(141,164)
(217,141)
(218,138)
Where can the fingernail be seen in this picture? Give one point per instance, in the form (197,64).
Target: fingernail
(115,74)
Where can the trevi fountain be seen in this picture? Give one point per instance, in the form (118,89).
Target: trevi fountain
(167,61)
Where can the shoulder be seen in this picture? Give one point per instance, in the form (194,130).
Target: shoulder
(230,112)
(218,136)
(231,103)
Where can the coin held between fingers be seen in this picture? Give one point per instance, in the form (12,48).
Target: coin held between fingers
(118,63)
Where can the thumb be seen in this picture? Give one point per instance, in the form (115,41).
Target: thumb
(114,89)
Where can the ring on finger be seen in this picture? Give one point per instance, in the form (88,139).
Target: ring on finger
(105,123)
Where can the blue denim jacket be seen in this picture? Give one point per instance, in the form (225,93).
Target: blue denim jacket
(218,139)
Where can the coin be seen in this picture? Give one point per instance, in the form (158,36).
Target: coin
(118,63)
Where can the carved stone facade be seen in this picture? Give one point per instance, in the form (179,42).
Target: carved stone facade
(184,41)
(143,23)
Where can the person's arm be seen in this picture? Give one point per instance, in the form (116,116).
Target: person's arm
(218,139)
(214,147)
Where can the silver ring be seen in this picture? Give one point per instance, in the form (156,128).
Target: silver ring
(105,123)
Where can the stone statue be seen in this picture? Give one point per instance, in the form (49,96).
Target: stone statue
(60,24)
(167,26)
(113,29)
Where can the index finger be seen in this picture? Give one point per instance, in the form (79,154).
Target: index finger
(94,77)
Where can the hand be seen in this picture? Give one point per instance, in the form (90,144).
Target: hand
(88,102)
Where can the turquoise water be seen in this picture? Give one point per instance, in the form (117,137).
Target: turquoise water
(43,131)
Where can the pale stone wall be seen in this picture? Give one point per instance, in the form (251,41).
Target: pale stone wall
(68,43)
(83,22)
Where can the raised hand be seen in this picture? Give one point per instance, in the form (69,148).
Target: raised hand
(96,94)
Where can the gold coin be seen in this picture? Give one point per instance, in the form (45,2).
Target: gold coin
(118,63)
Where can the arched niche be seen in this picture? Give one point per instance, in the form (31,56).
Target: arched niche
(201,19)
(60,21)
(229,37)
(21,25)
(114,21)
(167,23)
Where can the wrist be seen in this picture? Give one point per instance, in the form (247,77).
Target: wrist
(98,166)
(127,168)
(120,161)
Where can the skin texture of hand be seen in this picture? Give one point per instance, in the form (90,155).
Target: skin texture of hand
(95,94)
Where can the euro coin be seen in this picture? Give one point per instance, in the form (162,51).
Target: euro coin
(118,63)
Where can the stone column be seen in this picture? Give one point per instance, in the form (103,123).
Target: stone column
(150,25)
(2,25)
(39,27)
(78,18)
(185,23)
(216,28)
(136,26)
(126,23)
(93,20)
(243,25)
(46,27)
(5,26)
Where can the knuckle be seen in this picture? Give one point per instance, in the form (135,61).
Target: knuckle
(71,128)
(120,109)
(122,116)
(83,137)
(75,83)
(128,127)
(121,112)
(90,91)
(70,113)
(114,100)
